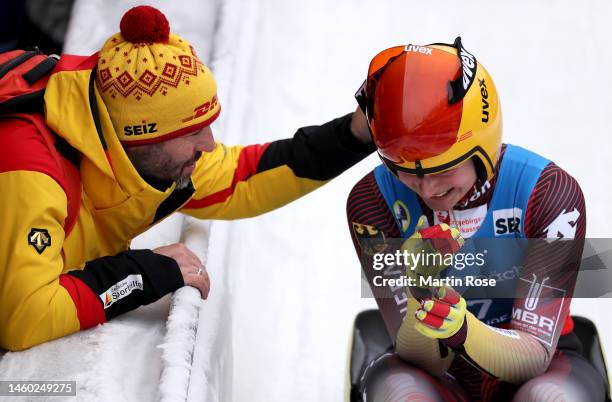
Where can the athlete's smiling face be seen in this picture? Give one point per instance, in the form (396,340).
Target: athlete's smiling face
(444,190)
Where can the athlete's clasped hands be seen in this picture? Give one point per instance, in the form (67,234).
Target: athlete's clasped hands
(441,316)
(442,309)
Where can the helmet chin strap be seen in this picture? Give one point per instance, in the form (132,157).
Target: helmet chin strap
(481,171)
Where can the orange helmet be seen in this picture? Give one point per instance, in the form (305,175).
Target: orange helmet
(430,108)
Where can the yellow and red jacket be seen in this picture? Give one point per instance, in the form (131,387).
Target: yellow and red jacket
(71,197)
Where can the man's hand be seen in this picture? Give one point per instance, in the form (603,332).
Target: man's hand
(359,127)
(442,316)
(194,272)
(431,245)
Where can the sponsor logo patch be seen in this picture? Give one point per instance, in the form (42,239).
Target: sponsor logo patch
(564,225)
(467,221)
(140,129)
(371,239)
(40,239)
(544,322)
(441,217)
(121,289)
(201,110)
(507,221)
(401,215)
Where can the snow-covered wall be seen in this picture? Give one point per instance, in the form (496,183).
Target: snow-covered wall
(150,353)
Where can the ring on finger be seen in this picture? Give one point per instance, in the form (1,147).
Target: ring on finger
(200,270)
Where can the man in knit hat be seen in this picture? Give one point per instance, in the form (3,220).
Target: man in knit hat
(124,142)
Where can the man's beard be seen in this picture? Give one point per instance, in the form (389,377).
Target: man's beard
(183,182)
(155,163)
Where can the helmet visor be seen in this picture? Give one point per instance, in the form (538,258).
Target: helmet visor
(408,105)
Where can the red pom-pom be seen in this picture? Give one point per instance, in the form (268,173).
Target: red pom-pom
(144,24)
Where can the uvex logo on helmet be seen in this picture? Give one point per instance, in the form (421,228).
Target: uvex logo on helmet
(418,49)
(485,103)
(202,109)
(469,66)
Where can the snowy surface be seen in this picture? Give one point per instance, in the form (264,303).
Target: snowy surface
(290,282)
